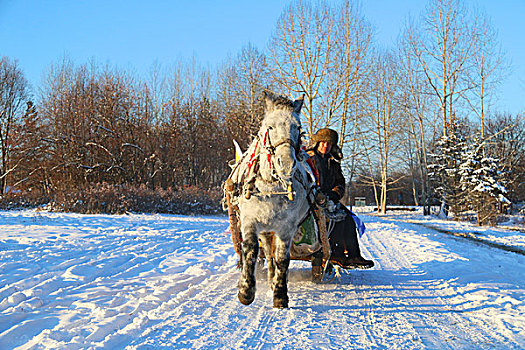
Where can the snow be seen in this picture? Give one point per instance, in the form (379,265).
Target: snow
(70,281)
(510,234)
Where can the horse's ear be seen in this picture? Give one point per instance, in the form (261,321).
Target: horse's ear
(268,100)
(298,104)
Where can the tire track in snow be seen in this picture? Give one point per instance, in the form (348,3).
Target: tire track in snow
(399,305)
(442,323)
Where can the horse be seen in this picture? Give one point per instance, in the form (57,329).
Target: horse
(274,197)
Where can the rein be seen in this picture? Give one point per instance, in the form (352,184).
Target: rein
(252,159)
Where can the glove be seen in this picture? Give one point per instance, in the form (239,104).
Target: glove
(320,198)
(334,196)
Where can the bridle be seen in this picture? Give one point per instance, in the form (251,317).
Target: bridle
(266,146)
(271,148)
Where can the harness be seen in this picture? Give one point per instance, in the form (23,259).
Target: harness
(266,146)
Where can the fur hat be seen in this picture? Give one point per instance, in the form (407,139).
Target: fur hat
(326,135)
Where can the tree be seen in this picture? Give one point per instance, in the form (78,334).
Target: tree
(482,182)
(444,173)
(443,48)
(193,142)
(30,153)
(348,81)
(384,121)
(322,51)
(96,125)
(421,120)
(241,83)
(488,64)
(300,53)
(14,92)
(505,135)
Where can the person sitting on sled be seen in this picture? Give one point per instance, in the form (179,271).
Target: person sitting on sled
(325,155)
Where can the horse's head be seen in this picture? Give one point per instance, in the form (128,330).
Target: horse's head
(281,134)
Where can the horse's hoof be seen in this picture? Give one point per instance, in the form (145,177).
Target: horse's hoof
(246,299)
(280,303)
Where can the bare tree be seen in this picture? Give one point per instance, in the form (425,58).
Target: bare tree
(323,51)
(13,96)
(241,82)
(300,54)
(96,123)
(347,81)
(443,47)
(385,123)
(421,121)
(488,64)
(192,126)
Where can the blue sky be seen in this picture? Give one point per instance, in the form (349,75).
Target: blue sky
(135,34)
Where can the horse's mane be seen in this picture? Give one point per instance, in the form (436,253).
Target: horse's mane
(279,108)
(279,102)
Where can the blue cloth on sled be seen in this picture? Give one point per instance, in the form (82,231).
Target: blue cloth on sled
(359,224)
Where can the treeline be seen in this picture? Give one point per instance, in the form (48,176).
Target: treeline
(100,130)
(100,134)
(97,126)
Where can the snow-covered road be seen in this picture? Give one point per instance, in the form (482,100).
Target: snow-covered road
(164,281)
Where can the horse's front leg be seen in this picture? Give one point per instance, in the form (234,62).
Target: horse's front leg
(267,240)
(280,280)
(250,249)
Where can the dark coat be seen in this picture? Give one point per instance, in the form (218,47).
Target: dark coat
(343,239)
(330,177)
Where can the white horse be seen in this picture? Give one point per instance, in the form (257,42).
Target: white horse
(273,198)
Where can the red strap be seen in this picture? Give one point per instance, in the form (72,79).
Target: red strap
(312,166)
(252,157)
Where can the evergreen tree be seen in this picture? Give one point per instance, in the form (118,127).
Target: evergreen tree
(482,182)
(443,170)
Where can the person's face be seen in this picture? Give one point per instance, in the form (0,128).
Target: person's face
(324,147)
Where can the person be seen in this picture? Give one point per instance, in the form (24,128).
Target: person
(325,156)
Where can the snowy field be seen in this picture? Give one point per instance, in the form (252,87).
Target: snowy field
(71,281)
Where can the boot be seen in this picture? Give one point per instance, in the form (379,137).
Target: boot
(352,263)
